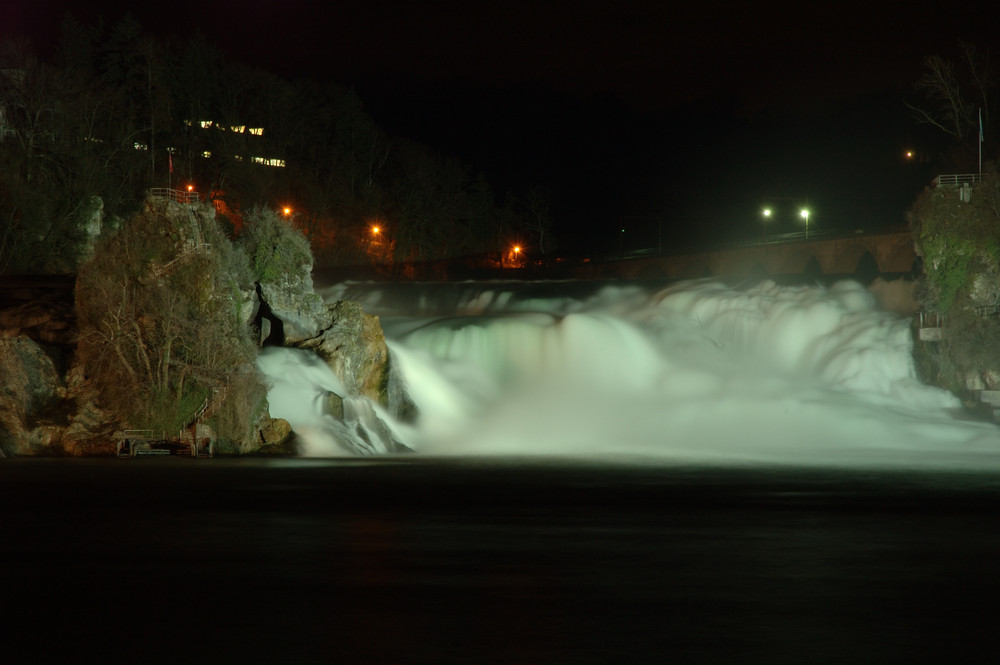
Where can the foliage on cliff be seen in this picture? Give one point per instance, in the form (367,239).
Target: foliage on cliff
(162,327)
(274,248)
(959,241)
(957,233)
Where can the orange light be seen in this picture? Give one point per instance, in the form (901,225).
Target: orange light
(376,230)
(190,188)
(287,211)
(517,250)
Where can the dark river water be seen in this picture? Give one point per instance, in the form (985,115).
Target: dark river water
(494,561)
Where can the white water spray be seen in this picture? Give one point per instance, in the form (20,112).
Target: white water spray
(696,372)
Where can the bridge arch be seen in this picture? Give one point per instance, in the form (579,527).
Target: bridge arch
(846,260)
(901,259)
(813,269)
(651,270)
(694,268)
(795,261)
(866,270)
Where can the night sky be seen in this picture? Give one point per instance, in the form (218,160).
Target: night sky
(684,117)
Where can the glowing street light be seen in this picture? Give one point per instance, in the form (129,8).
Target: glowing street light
(804,214)
(286,211)
(766,215)
(376,230)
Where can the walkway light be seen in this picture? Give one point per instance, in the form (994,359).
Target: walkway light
(376,230)
(286,211)
(804,214)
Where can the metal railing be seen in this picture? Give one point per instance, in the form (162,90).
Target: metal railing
(956,179)
(174,195)
(135,442)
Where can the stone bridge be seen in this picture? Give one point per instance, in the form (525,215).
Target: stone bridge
(864,255)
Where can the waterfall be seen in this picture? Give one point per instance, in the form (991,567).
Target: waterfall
(693,372)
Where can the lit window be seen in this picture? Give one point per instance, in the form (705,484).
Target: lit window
(239,129)
(257,131)
(206,154)
(205,124)
(269,161)
(140,146)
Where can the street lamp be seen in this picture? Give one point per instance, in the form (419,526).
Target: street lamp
(804,214)
(766,214)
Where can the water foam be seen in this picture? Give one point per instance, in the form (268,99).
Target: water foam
(695,372)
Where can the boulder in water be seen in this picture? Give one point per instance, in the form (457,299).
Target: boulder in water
(354,347)
(275,431)
(292,301)
(31,385)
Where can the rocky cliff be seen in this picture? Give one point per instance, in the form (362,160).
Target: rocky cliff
(956,229)
(162,313)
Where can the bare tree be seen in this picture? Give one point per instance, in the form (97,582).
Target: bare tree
(538,218)
(953,95)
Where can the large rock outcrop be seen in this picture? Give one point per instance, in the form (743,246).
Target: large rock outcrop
(292,301)
(30,388)
(353,345)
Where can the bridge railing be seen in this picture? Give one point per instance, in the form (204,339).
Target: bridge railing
(770,239)
(957,179)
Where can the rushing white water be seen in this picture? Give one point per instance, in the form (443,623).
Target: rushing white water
(693,372)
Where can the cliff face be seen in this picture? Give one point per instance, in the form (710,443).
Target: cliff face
(957,234)
(353,345)
(291,300)
(156,333)
(31,386)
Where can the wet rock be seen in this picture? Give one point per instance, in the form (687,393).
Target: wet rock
(13,436)
(275,431)
(354,347)
(42,312)
(30,386)
(334,406)
(300,310)
(30,375)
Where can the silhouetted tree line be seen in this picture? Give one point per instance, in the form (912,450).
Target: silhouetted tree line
(116,112)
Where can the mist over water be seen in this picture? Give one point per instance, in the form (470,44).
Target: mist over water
(694,372)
